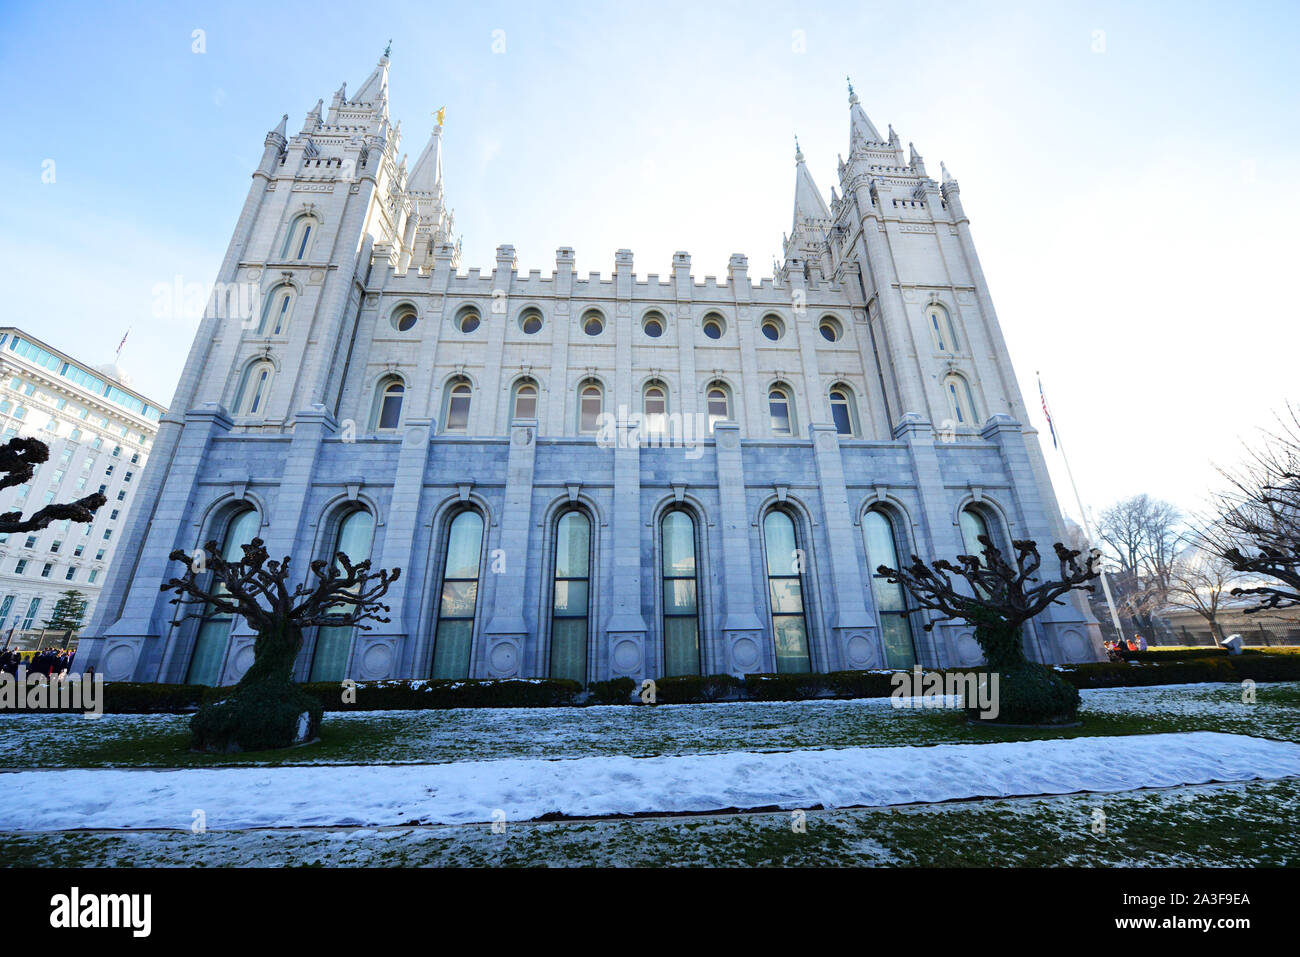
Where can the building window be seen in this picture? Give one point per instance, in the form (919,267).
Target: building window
(32,608)
(593,323)
(254,388)
(714,326)
(298,242)
(680,595)
(718,400)
(214,628)
(329,661)
(779,411)
(94,573)
(404,318)
(388,408)
(975,522)
(468,319)
(652,324)
(530,321)
(841,400)
(773,328)
(785,565)
(945,339)
(961,406)
(525,402)
(591,402)
(21,567)
(454,636)
(655,408)
(881,540)
(45,572)
(571,602)
(276,312)
(459,394)
(71,575)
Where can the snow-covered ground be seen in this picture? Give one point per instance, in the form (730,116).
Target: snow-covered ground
(526,789)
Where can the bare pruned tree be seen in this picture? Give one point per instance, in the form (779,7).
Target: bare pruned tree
(1140,536)
(1200,582)
(264,708)
(1256,524)
(19,459)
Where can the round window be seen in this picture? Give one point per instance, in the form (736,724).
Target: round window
(593,323)
(530,321)
(830,330)
(714,326)
(653,325)
(467,320)
(404,319)
(773,328)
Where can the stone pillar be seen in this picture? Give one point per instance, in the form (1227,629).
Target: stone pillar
(625,631)
(744,650)
(856,641)
(505,636)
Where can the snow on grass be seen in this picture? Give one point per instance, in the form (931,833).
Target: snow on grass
(521,790)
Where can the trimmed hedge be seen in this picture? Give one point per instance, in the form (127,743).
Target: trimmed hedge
(613,691)
(694,689)
(401,695)
(131,697)
(1180,654)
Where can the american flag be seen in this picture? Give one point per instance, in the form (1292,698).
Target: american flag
(1042,395)
(123,342)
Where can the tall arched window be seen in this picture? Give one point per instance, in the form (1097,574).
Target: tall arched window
(976,521)
(525,401)
(655,405)
(842,413)
(454,635)
(961,406)
(780,410)
(718,400)
(214,628)
(254,388)
(571,604)
(681,595)
(785,564)
(456,417)
(881,541)
(388,404)
(297,244)
(945,339)
(276,311)
(591,402)
(329,661)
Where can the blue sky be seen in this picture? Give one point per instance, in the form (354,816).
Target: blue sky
(1130,173)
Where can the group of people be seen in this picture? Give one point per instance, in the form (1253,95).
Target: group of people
(51,662)
(1115,649)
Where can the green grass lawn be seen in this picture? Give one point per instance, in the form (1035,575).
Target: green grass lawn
(34,741)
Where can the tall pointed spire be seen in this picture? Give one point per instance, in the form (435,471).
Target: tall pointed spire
(808,202)
(375,89)
(426,175)
(861,129)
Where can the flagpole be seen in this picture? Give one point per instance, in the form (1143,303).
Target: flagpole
(1083,513)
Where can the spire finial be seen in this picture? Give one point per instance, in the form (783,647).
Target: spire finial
(853,97)
(388,49)
(798,153)
(943,167)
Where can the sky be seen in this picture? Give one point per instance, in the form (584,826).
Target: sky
(1130,172)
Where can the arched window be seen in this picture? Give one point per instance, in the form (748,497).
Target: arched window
(254,388)
(456,417)
(780,410)
(681,595)
(388,404)
(276,311)
(454,636)
(785,565)
(297,243)
(719,404)
(945,339)
(525,400)
(976,521)
(329,660)
(842,412)
(214,628)
(655,407)
(591,402)
(571,602)
(960,404)
(881,542)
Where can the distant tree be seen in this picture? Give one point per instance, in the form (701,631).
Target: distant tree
(1200,581)
(19,459)
(1256,521)
(266,709)
(998,598)
(1140,537)
(68,612)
